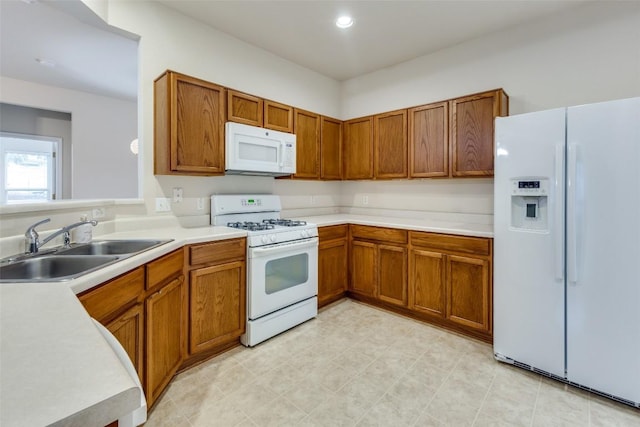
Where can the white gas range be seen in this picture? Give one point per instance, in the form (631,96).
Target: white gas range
(282,263)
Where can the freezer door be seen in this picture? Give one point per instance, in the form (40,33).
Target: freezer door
(603,242)
(529,249)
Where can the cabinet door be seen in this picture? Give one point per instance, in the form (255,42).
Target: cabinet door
(163,337)
(197,123)
(429,140)
(330,148)
(358,149)
(363,268)
(333,270)
(217,301)
(390,145)
(427,282)
(392,274)
(278,116)
(128,328)
(307,129)
(468,299)
(244,108)
(472,133)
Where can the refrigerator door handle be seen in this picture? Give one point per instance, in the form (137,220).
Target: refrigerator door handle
(558,198)
(572,216)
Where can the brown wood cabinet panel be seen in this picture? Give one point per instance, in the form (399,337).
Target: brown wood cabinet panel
(448,242)
(163,337)
(472,133)
(217,252)
(363,268)
(392,274)
(244,108)
(278,116)
(332,232)
(427,282)
(105,301)
(128,328)
(189,126)
(165,268)
(358,149)
(429,141)
(330,148)
(307,130)
(333,269)
(217,296)
(390,145)
(386,235)
(468,296)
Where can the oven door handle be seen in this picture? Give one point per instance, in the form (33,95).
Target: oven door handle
(284,247)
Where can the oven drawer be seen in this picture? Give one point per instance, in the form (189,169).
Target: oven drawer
(217,252)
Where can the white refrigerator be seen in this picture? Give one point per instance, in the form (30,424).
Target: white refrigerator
(567,245)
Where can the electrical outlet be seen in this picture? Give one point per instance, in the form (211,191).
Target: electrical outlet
(163,204)
(200,203)
(365,200)
(177,195)
(98,213)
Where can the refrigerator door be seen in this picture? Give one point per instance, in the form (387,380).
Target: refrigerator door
(603,247)
(529,240)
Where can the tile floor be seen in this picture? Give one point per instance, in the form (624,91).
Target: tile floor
(357,365)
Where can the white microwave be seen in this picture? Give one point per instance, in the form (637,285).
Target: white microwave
(251,150)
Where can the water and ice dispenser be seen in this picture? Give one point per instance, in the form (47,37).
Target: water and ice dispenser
(529,203)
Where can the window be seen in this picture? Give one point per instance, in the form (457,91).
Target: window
(28,166)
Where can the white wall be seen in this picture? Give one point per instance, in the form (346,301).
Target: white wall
(170,40)
(587,54)
(103,165)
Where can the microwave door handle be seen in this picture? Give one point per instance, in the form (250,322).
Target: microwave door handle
(281,155)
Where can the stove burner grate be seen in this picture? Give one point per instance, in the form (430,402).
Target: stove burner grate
(285,222)
(250,226)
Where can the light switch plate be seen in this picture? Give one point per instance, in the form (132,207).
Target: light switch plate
(163,204)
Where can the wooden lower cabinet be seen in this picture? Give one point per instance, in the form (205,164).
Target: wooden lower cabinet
(450,281)
(379,267)
(333,263)
(217,296)
(163,336)
(217,305)
(128,328)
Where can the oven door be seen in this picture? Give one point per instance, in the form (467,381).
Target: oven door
(281,275)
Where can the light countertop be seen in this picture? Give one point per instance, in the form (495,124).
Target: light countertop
(430,225)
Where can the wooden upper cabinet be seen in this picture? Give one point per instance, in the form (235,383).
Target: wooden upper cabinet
(390,144)
(278,116)
(358,148)
(244,108)
(307,129)
(330,148)
(429,141)
(188,126)
(472,132)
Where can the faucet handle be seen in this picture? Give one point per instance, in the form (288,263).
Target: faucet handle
(32,240)
(31,230)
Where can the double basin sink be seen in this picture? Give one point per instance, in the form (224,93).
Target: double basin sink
(69,263)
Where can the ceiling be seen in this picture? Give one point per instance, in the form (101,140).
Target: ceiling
(385,33)
(89,55)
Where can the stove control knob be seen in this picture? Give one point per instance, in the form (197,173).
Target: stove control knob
(273,237)
(265,239)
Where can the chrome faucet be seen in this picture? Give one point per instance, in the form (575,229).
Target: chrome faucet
(33,243)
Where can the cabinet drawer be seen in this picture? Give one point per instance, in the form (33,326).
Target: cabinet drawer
(386,235)
(447,242)
(164,268)
(332,232)
(217,252)
(112,296)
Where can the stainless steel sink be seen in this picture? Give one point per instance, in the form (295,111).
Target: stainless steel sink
(59,264)
(47,268)
(112,247)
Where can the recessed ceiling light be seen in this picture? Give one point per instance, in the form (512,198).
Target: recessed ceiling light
(344,21)
(46,62)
